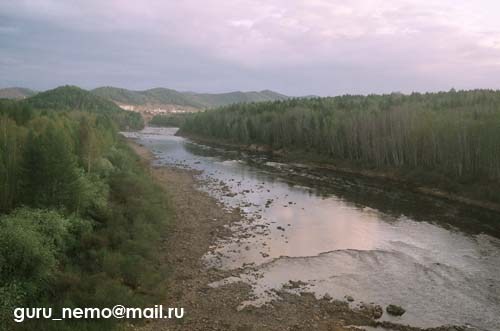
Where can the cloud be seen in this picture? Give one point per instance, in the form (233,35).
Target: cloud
(452,42)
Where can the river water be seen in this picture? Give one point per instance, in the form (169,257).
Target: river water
(345,236)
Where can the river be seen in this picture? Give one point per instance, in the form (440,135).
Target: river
(345,236)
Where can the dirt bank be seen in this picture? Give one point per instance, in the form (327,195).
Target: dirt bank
(199,222)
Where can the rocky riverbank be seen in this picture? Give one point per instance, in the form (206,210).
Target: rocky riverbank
(392,177)
(200,222)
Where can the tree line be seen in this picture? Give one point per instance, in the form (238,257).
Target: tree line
(80,219)
(451,138)
(170,120)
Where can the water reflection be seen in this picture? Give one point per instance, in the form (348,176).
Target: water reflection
(344,235)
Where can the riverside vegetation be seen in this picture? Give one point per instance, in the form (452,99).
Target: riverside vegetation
(170,120)
(80,218)
(448,140)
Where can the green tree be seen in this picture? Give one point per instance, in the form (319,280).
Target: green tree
(51,178)
(11,142)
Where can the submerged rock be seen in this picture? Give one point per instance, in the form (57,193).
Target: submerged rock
(395,310)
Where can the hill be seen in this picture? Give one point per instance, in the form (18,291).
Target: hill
(71,98)
(16,93)
(225,99)
(164,96)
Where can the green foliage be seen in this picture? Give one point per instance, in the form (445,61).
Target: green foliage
(50,176)
(12,138)
(453,136)
(18,112)
(32,244)
(224,99)
(173,120)
(92,239)
(152,96)
(190,99)
(128,120)
(72,98)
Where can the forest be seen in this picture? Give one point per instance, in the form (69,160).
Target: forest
(170,120)
(72,98)
(159,96)
(81,220)
(449,140)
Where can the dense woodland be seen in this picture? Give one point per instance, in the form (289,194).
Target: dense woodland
(159,96)
(71,98)
(450,140)
(170,120)
(80,219)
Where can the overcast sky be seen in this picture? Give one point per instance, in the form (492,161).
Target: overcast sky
(297,47)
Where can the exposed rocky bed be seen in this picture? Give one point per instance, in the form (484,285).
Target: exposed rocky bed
(202,222)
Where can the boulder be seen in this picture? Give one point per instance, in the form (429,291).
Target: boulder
(349,298)
(395,310)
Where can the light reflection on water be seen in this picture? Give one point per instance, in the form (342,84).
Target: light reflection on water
(441,262)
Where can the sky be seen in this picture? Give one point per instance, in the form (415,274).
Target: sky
(296,47)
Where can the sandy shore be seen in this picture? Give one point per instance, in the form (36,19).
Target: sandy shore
(199,222)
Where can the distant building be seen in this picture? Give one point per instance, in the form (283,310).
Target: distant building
(127,107)
(155,109)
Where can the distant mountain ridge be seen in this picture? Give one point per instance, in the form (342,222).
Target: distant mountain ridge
(154,96)
(189,99)
(71,98)
(16,93)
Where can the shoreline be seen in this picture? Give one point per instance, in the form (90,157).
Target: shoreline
(364,173)
(199,222)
